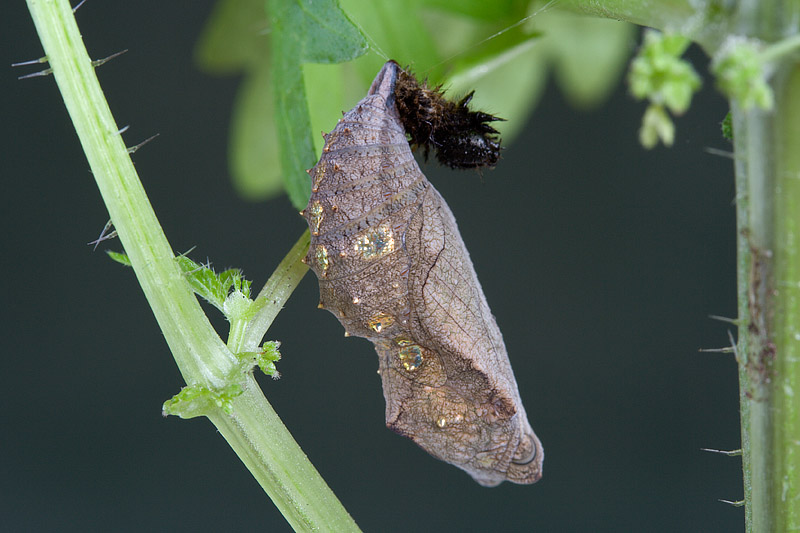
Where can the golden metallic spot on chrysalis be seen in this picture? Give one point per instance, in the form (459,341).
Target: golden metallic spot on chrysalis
(321,256)
(403,341)
(356,300)
(441,422)
(315,212)
(411,357)
(375,242)
(318,177)
(380,322)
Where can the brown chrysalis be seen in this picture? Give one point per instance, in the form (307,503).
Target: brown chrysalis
(392,267)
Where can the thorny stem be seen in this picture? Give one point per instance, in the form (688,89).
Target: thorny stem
(767,163)
(768,213)
(253,429)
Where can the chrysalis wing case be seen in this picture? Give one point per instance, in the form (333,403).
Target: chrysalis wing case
(393,269)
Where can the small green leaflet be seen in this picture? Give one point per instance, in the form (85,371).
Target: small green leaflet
(304,32)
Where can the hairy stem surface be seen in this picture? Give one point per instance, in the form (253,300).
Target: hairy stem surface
(768,213)
(252,429)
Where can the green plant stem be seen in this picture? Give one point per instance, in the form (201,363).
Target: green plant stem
(200,354)
(781,48)
(275,293)
(253,429)
(767,163)
(767,166)
(706,23)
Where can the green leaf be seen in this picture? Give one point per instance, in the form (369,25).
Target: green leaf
(326,100)
(228,291)
(267,357)
(507,84)
(656,126)
(237,307)
(659,74)
(490,47)
(588,54)
(254,148)
(119,258)
(396,31)
(318,32)
(494,11)
(233,278)
(727,126)
(234,37)
(204,281)
(195,400)
(293,124)
(741,73)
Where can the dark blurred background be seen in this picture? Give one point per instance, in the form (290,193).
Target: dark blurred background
(601,261)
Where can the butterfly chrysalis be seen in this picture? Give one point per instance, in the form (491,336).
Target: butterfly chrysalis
(392,267)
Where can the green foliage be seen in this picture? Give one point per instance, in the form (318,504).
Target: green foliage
(271,143)
(318,33)
(727,126)
(292,90)
(266,358)
(229,292)
(656,126)
(740,70)
(122,259)
(197,400)
(235,40)
(226,291)
(588,54)
(660,75)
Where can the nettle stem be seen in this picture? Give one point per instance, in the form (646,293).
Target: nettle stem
(767,148)
(250,425)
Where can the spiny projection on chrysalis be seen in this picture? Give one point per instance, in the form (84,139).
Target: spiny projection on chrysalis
(392,267)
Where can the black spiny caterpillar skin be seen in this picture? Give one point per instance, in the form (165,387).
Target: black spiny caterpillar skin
(392,267)
(460,138)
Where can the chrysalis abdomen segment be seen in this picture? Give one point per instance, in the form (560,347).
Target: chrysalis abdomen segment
(393,268)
